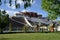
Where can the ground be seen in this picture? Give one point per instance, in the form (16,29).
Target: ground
(30,36)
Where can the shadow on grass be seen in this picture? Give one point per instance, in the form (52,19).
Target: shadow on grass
(4,38)
(17,32)
(26,32)
(22,32)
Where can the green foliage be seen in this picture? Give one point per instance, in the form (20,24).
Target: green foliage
(10,2)
(0,2)
(25,5)
(26,0)
(53,7)
(3,12)
(58,21)
(52,16)
(17,5)
(4,19)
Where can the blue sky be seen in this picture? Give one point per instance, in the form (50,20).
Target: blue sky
(35,7)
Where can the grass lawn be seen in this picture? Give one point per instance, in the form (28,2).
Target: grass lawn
(30,36)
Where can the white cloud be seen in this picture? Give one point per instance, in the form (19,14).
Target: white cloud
(20,1)
(25,10)
(11,13)
(12,7)
(2,10)
(32,2)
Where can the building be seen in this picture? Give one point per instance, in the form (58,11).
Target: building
(26,18)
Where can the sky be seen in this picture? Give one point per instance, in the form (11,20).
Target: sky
(35,7)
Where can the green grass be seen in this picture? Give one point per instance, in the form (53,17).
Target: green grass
(30,36)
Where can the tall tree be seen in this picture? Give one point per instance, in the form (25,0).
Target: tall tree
(4,20)
(53,7)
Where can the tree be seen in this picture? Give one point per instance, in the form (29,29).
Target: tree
(58,21)
(53,7)
(27,3)
(4,20)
